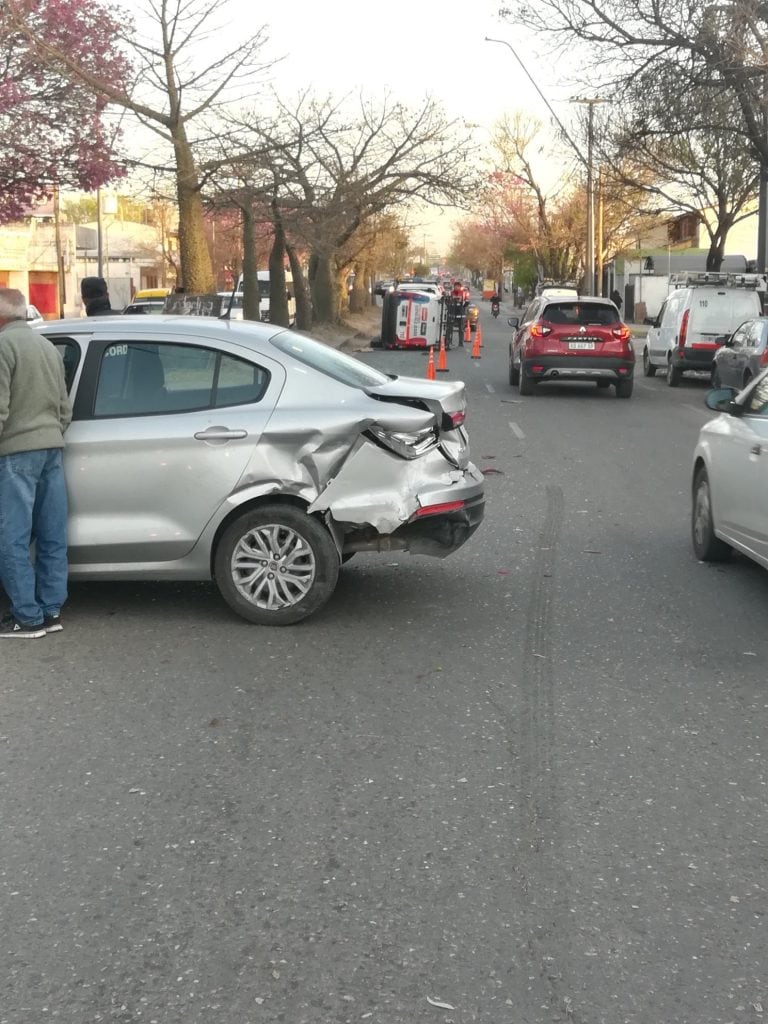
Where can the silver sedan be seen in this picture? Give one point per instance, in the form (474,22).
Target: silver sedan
(205,449)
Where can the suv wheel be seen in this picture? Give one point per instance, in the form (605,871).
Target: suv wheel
(624,388)
(707,546)
(674,374)
(648,368)
(524,383)
(276,565)
(514,372)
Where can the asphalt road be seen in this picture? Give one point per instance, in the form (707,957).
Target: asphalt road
(521,785)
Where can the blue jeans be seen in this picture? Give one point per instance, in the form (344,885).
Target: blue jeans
(33,507)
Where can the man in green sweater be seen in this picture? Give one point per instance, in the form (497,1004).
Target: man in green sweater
(34,413)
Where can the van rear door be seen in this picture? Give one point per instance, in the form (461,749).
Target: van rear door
(716,312)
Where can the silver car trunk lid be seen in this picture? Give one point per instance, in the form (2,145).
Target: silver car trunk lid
(442,398)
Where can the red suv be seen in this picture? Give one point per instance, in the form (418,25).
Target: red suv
(571,339)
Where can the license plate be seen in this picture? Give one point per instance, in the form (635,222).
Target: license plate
(581,344)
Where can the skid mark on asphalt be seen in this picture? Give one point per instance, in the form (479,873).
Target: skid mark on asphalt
(539,810)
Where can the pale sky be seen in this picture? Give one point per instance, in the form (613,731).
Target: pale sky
(412,50)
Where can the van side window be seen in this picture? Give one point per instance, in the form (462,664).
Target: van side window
(660,318)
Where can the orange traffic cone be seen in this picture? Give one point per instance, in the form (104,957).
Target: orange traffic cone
(476,346)
(431,363)
(442,365)
(467,331)
(479,334)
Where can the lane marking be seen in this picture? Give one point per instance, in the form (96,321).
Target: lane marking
(516,431)
(491,389)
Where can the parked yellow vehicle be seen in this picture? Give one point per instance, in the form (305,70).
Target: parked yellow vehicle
(152,293)
(473,313)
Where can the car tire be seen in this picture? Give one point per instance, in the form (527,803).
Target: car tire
(525,385)
(276,534)
(514,373)
(706,545)
(624,388)
(648,368)
(674,375)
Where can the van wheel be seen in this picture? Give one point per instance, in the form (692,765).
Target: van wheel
(706,545)
(648,368)
(275,565)
(674,375)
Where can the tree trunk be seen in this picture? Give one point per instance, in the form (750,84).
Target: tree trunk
(278,299)
(196,268)
(300,293)
(358,300)
(324,285)
(251,296)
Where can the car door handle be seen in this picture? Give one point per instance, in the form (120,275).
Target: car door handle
(756,449)
(220,434)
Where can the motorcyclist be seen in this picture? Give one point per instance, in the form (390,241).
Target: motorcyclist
(495,303)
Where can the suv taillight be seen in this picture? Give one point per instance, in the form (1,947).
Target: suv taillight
(622,332)
(683,330)
(539,330)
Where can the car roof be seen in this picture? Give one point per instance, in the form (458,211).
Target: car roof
(597,300)
(248,333)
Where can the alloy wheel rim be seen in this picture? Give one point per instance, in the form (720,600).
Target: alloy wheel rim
(273,567)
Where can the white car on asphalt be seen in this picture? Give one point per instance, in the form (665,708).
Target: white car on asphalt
(730,476)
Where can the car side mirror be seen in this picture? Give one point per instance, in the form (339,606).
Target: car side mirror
(513,321)
(722,400)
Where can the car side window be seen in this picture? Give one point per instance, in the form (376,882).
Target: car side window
(147,378)
(70,353)
(740,337)
(660,318)
(757,403)
(755,334)
(530,312)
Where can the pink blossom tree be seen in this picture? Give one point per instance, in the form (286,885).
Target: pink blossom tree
(53,132)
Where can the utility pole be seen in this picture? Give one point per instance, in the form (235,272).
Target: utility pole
(589,260)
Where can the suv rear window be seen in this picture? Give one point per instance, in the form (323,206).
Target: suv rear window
(580,313)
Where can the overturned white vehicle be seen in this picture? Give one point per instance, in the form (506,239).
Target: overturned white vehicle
(204,449)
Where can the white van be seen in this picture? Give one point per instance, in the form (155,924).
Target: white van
(701,310)
(263,278)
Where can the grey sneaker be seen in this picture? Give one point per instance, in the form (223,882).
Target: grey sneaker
(53,623)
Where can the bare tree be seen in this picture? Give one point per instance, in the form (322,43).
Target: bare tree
(185,69)
(684,151)
(334,171)
(703,44)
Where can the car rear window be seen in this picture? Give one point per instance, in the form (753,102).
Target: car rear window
(328,361)
(580,313)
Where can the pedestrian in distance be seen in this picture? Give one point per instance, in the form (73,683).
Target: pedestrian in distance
(34,413)
(616,299)
(95,296)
